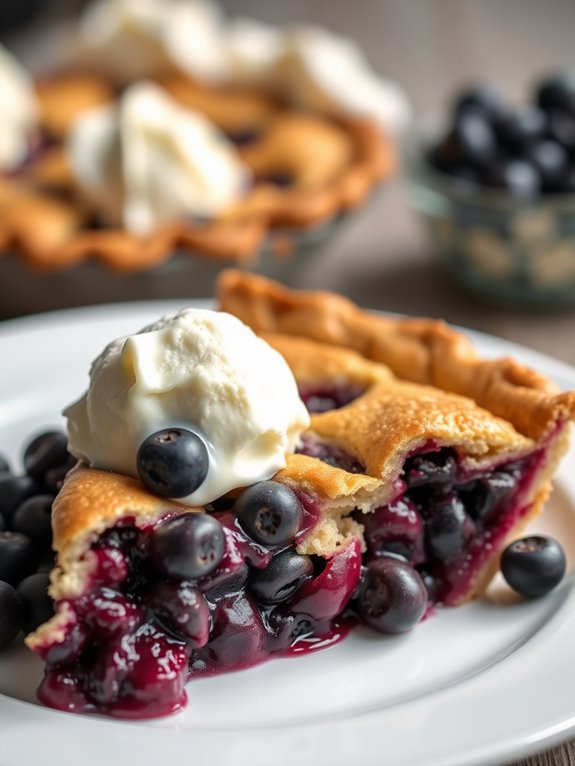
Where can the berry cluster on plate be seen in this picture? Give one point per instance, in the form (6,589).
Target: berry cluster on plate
(26,555)
(527,150)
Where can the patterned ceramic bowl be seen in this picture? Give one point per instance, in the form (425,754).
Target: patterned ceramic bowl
(511,251)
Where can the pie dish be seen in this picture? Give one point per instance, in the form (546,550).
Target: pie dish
(307,169)
(388,468)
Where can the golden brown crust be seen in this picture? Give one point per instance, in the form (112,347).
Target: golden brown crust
(333,166)
(90,502)
(419,350)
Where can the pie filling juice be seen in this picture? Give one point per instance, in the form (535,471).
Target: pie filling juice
(133,639)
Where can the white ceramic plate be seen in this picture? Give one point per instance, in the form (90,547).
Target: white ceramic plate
(481,684)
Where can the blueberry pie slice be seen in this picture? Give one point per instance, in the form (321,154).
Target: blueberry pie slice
(399,496)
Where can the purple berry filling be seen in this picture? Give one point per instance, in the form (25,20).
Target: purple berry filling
(130,643)
(330,397)
(330,454)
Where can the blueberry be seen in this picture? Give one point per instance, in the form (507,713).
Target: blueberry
(38,606)
(561,128)
(18,557)
(287,629)
(448,527)
(395,528)
(533,565)
(430,468)
(33,518)
(471,141)
(173,462)
(46,451)
(182,610)
(270,513)
(11,614)
(482,497)
(13,491)
(392,596)
(557,91)
(482,99)
(550,159)
(516,131)
(517,176)
(567,183)
(54,477)
(188,546)
(285,573)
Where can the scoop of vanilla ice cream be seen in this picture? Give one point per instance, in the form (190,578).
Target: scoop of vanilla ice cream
(148,160)
(19,111)
(201,370)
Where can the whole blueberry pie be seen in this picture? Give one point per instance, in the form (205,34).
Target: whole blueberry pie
(420,461)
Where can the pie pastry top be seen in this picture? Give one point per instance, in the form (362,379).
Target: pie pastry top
(419,350)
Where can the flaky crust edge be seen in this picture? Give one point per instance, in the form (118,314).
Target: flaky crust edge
(419,350)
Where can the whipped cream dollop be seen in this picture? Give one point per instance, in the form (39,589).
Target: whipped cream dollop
(137,39)
(19,111)
(324,72)
(309,65)
(201,370)
(147,160)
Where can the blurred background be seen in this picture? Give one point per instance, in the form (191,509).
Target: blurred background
(432,49)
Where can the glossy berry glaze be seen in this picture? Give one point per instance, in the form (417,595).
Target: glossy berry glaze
(126,650)
(133,639)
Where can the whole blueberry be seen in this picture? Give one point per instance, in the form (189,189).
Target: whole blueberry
(551,161)
(471,141)
(13,491)
(187,546)
(483,497)
(517,176)
(182,610)
(480,98)
(430,468)
(38,606)
(45,451)
(561,128)
(173,462)
(557,91)
(287,629)
(285,573)
(270,513)
(11,614)
(448,527)
(33,518)
(518,129)
(533,565)
(392,596)
(567,183)
(18,557)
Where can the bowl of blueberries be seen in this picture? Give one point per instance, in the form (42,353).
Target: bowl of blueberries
(497,189)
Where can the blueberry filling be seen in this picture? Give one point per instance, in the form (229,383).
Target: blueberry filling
(447,519)
(198,594)
(330,397)
(193,594)
(330,454)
